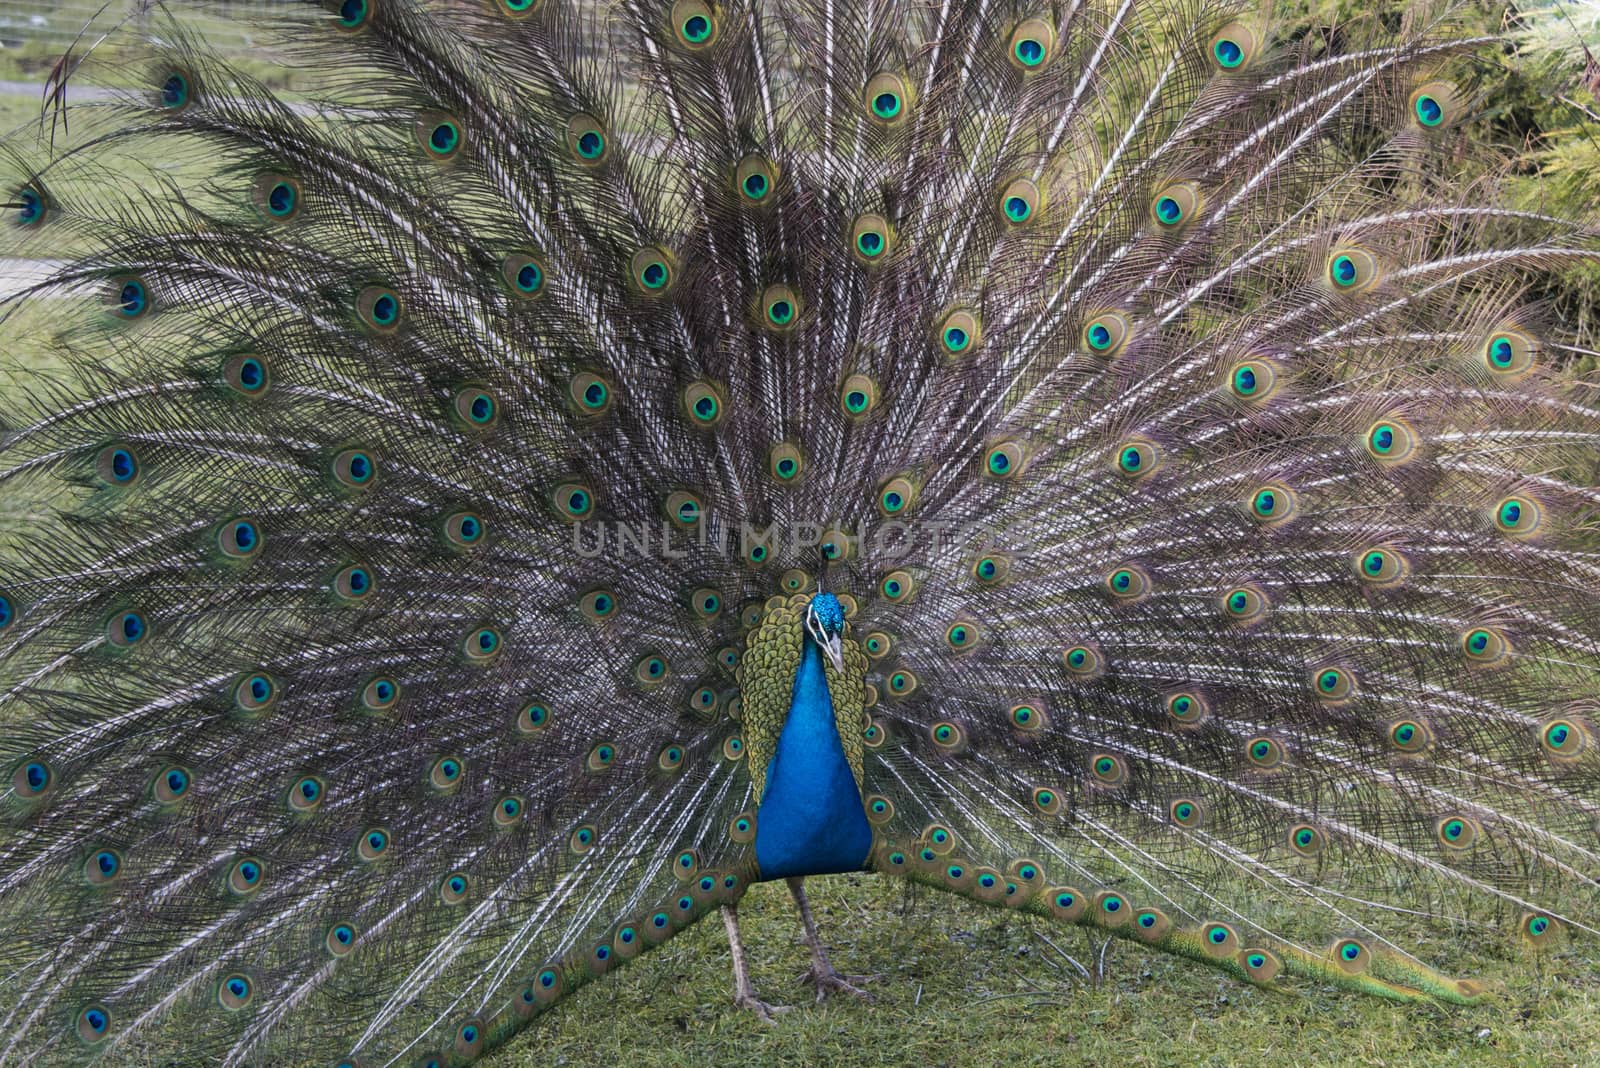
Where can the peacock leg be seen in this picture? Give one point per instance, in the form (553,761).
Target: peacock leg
(822,973)
(744,991)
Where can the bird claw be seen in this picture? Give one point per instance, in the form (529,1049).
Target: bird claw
(828,981)
(763,1011)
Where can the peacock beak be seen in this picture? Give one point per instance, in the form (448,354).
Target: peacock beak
(835,650)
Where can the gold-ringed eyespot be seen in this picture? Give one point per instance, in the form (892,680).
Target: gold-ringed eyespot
(1352,269)
(694,24)
(1563,738)
(1518,516)
(871,239)
(1019,201)
(454,888)
(706,603)
(1434,105)
(255,693)
(1186,813)
(1540,929)
(118,465)
(583,838)
(524,275)
(1306,840)
(441,136)
(873,735)
(704,403)
(1082,661)
(126,630)
(1391,441)
(1150,925)
(127,297)
(650,670)
(1107,333)
(246,876)
(354,583)
(277,197)
(1175,206)
(683,508)
(1245,605)
(306,794)
(475,408)
(785,462)
(1333,683)
(858,396)
(92,1024)
(896,586)
(896,496)
(651,270)
(177,89)
(959,332)
(463,531)
(963,635)
(1186,708)
(1128,584)
(754,179)
(1065,903)
(169,786)
(1219,940)
(780,308)
(373,844)
(1351,955)
(379,694)
(1046,799)
(795,580)
(573,501)
(1381,566)
(947,736)
(354,469)
(1252,381)
(836,544)
(340,941)
(1031,45)
(446,773)
(1410,736)
(587,143)
(1456,832)
(1027,717)
(601,756)
(1264,753)
(1111,909)
(234,992)
(877,644)
(733,748)
(1136,458)
(103,867)
(1273,504)
(590,394)
(704,701)
(887,98)
(246,374)
(1485,646)
(880,809)
(1261,965)
(1108,769)
(1234,46)
(33,778)
(1508,354)
(991,568)
(481,645)
(597,605)
(1003,460)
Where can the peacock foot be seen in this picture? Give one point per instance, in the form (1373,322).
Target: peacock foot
(764,1012)
(829,981)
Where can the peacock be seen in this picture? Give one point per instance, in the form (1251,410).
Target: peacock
(474,512)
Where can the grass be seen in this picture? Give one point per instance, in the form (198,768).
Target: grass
(959,984)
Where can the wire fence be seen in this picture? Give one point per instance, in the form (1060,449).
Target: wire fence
(56,23)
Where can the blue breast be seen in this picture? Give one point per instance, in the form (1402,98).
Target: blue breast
(810,820)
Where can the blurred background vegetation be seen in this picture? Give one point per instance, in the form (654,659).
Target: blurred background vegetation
(961,985)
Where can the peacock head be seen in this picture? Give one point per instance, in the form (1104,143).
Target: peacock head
(825,624)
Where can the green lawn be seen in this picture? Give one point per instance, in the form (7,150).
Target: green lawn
(960,984)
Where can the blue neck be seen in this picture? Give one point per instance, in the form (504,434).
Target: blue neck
(810,820)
